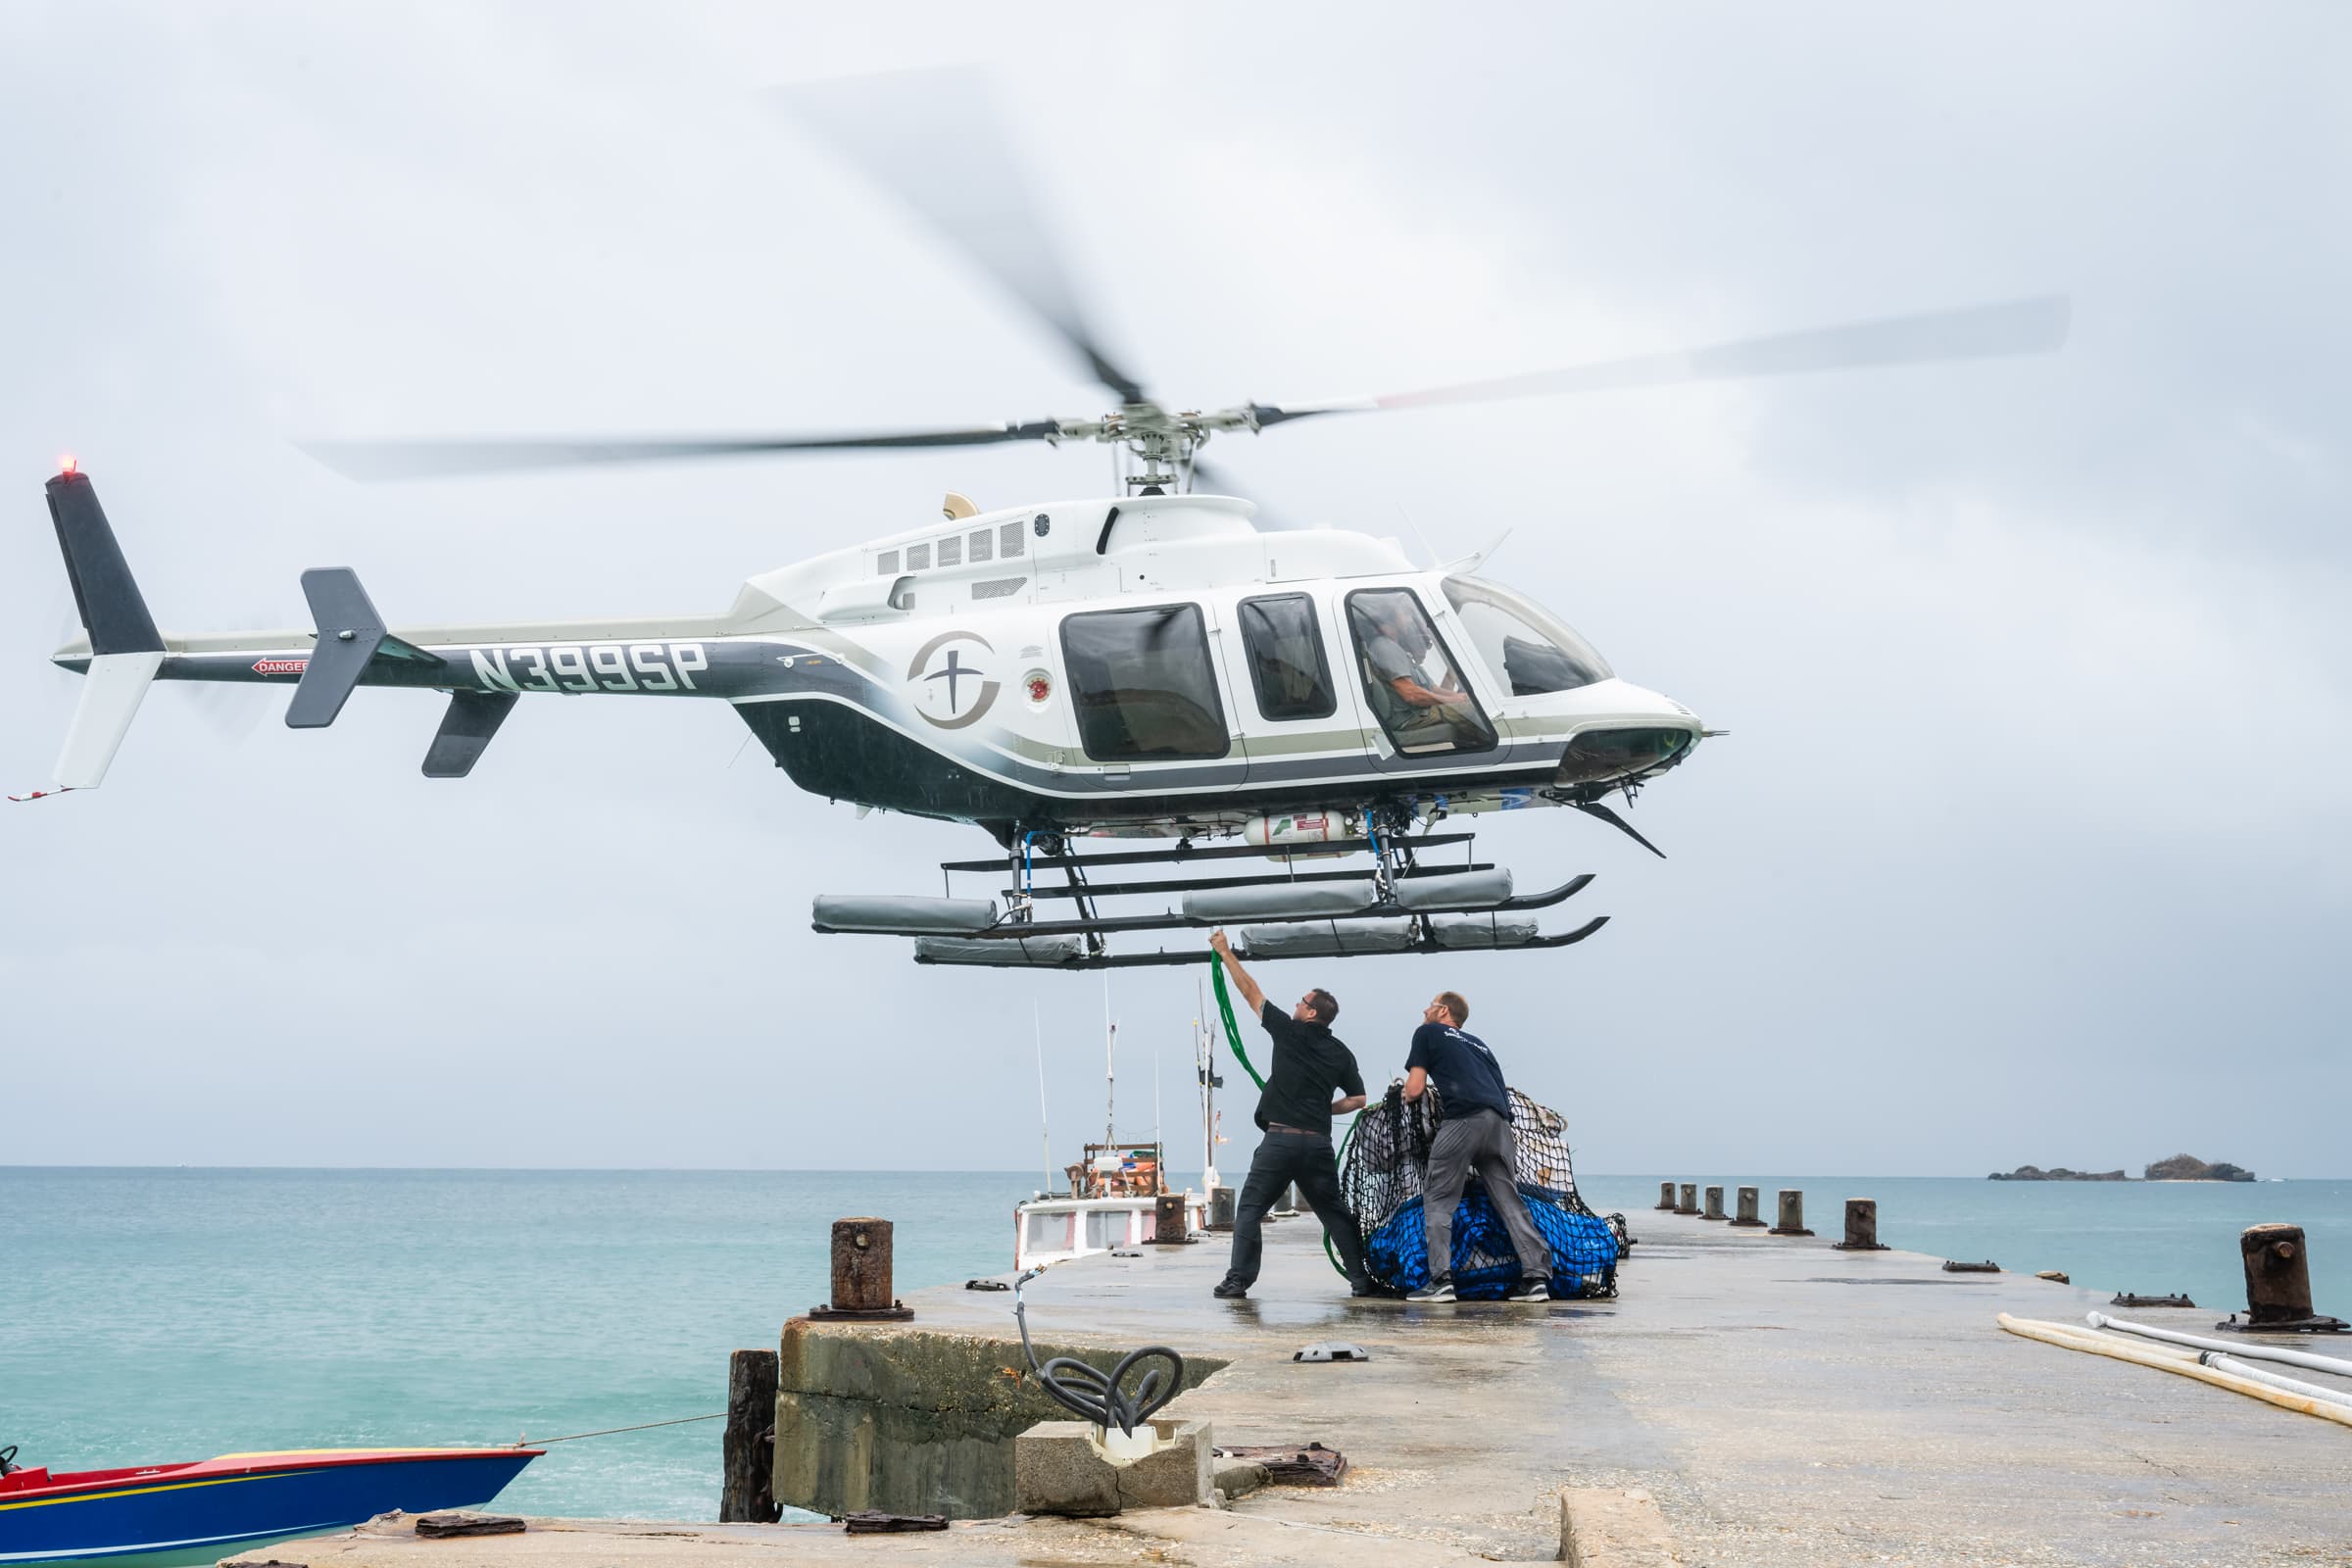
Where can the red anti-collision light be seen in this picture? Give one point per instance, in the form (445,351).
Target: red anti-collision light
(66,463)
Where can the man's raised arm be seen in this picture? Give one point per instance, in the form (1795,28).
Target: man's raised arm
(1240,976)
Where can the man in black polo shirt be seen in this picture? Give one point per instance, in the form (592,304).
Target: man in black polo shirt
(1475,1136)
(1295,1113)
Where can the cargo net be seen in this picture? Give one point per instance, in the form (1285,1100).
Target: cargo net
(1382,1176)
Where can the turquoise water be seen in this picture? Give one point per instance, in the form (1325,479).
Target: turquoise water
(160,1314)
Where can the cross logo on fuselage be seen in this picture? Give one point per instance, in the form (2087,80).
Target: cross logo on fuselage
(938,671)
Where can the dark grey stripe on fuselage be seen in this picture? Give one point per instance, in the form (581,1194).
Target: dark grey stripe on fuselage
(761,672)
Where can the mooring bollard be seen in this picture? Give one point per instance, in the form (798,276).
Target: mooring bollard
(1221,1201)
(2278,1264)
(1861,1226)
(1666,1194)
(1747,1209)
(1689,1203)
(1168,1221)
(1792,1213)
(1714,1205)
(861,1272)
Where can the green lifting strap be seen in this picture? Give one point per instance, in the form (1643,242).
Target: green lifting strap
(1232,1037)
(1232,1031)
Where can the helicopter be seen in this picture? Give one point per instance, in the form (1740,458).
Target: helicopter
(1155,665)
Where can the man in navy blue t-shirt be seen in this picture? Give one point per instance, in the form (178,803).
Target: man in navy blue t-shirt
(1475,1136)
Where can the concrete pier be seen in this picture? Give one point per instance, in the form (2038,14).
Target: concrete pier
(1750,1400)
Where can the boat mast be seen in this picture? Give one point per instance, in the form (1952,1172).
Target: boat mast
(1110,1066)
(1045,1133)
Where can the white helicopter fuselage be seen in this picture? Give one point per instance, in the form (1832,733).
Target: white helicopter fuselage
(1153,664)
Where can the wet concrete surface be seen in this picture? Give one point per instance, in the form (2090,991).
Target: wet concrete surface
(1784,1402)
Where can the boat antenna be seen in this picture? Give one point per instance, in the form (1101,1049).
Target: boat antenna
(1045,1134)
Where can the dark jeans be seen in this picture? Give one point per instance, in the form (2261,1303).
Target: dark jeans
(1281,1159)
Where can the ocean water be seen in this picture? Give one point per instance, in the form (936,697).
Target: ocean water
(2144,1237)
(151,1315)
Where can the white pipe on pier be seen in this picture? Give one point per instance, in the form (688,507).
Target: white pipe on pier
(2197,1341)
(2221,1362)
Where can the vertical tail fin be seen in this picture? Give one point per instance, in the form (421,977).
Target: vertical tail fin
(125,649)
(113,610)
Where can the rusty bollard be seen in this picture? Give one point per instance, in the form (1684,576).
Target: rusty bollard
(1168,1221)
(1792,1213)
(2279,1284)
(1666,1194)
(1689,1203)
(861,1274)
(1861,1226)
(1714,1205)
(1221,1204)
(1747,1209)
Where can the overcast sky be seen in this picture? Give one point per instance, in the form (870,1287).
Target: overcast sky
(2029,843)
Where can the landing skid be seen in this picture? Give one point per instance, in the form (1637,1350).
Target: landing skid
(1395,904)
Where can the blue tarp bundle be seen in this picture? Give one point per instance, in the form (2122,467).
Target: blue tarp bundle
(1584,1248)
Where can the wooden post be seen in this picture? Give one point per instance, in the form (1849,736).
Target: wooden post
(1792,1213)
(862,1266)
(1666,1194)
(1747,1209)
(1689,1203)
(747,1477)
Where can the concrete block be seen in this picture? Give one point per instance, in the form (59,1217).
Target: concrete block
(1059,1468)
(1606,1527)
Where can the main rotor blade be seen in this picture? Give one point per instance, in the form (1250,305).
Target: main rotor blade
(425,459)
(932,139)
(1972,333)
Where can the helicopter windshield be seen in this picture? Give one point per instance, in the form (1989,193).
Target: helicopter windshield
(1524,646)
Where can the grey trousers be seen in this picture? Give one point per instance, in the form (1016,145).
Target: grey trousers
(1479,1142)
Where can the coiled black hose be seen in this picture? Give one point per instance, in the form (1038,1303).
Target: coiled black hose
(1088,1390)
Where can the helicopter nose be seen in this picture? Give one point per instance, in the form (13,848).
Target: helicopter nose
(1607,755)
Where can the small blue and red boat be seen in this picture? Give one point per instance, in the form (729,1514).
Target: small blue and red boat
(156,1516)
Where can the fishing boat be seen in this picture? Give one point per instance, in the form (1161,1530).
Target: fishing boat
(153,1516)
(1111,1199)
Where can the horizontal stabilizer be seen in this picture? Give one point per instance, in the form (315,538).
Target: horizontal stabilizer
(465,730)
(349,633)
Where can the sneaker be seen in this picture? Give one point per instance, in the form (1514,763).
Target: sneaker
(1439,1288)
(1538,1288)
(1230,1291)
(1363,1288)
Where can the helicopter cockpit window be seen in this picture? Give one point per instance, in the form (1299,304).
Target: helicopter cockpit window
(1409,679)
(1285,649)
(1142,684)
(1527,650)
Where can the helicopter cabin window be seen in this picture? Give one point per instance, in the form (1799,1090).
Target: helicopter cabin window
(1008,540)
(1142,684)
(1410,680)
(918,558)
(950,551)
(976,547)
(1527,649)
(1285,649)
(886,564)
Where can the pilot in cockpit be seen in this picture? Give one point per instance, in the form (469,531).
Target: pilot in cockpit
(1428,706)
